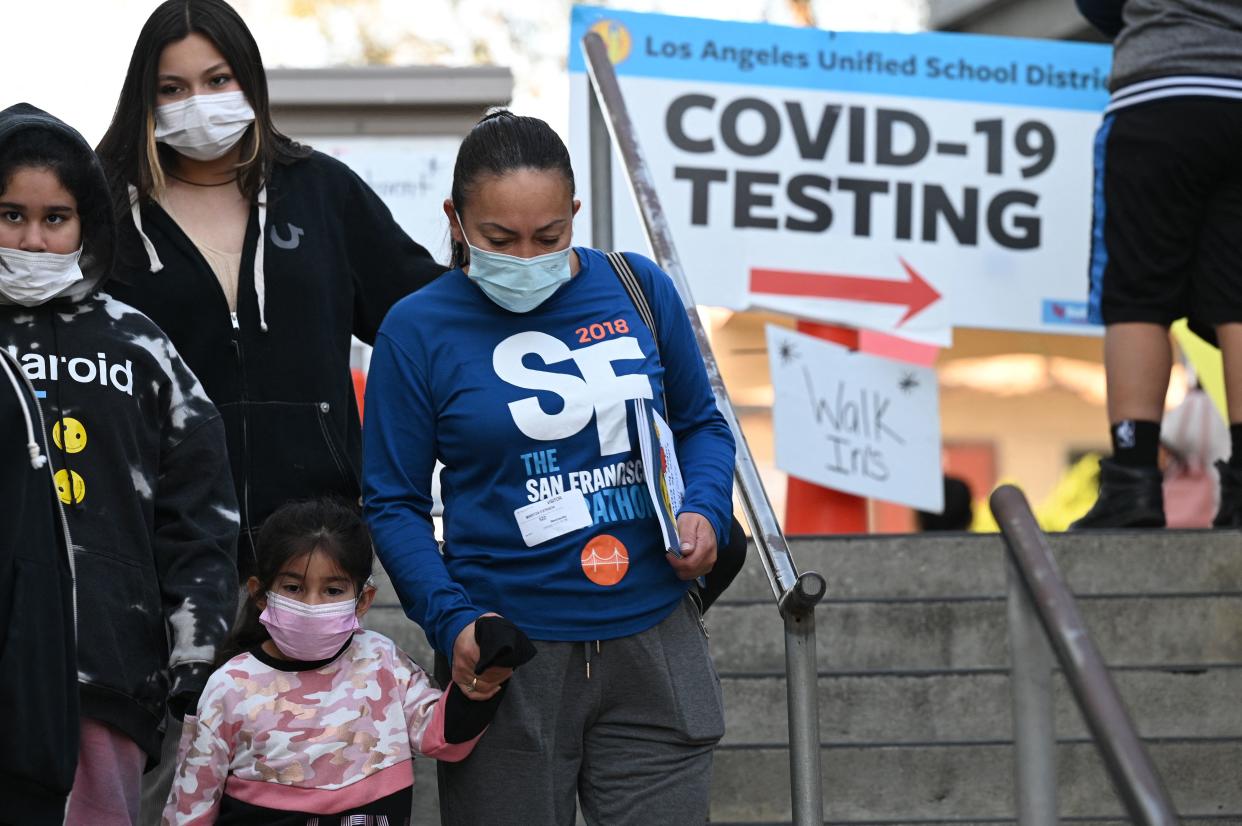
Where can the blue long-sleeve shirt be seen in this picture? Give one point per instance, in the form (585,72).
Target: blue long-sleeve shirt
(521,406)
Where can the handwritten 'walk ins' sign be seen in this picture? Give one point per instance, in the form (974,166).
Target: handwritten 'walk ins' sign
(889,181)
(854,422)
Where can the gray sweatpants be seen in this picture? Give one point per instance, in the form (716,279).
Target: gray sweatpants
(633,741)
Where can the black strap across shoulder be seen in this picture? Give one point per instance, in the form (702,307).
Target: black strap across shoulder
(635,290)
(732,549)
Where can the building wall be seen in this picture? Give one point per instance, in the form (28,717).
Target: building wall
(1057,19)
(388,101)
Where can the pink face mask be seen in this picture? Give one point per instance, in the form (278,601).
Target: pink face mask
(309,632)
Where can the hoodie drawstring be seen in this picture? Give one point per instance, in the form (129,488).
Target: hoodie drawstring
(260,282)
(37,459)
(587,648)
(135,210)
(74,501)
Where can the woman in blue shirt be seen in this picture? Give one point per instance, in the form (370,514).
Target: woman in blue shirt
(519,370)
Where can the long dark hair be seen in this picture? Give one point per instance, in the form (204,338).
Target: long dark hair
(129,151)
(503,142)
(319,525)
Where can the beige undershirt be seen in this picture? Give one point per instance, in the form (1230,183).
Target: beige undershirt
(225,265)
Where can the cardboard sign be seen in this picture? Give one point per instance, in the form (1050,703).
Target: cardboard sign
(894,182)
(855,422)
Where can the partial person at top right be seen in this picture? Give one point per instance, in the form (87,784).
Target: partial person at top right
(1167,234)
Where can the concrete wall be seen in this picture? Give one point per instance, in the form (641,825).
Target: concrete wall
(386,100)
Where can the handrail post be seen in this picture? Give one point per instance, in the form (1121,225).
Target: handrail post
(601,174)
(797,594)
(782,573)
(1034,723)
(802,695)
(1129,766)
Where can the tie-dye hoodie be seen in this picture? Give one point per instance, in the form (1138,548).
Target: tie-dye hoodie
(279,742)
(138,458)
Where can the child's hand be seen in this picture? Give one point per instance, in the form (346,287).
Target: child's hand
(465,657)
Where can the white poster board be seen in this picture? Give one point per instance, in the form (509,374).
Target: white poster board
(412,176)
(904,183)
(855,422)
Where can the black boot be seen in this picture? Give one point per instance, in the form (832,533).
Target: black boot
(1130,497)
(1229,514)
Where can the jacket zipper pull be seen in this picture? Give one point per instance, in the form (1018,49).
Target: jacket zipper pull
(236,323)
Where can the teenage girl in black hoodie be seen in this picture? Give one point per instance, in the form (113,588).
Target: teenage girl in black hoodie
(259,257)
(138,459)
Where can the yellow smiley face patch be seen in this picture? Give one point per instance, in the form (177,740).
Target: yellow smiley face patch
(70,438)
(62,487)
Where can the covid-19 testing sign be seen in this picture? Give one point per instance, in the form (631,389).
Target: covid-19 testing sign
(905,183)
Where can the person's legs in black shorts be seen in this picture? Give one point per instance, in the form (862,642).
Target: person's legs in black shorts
(1161,169)
(1216,303)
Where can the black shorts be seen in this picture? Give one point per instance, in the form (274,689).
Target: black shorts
(1166,241)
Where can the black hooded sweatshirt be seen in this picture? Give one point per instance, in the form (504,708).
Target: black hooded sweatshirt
(138,455)
(334,261)
(38,662)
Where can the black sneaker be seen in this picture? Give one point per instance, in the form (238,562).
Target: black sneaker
(1130,497)
(1229,514)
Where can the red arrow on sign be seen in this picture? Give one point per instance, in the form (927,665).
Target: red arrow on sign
(915,293)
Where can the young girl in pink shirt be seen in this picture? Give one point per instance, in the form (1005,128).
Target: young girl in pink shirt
(315,720)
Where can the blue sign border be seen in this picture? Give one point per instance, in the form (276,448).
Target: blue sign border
(965,67)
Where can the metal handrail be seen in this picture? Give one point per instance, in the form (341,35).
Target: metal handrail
(796,593)
(1044,588)
(608,100)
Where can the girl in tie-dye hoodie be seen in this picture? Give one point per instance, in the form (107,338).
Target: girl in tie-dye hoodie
(137,456)
(317,722)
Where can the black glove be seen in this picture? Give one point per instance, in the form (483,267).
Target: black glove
(179,705)
(501,644)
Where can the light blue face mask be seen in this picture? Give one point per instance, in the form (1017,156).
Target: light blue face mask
(517,284)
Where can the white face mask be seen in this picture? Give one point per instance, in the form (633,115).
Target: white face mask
(204,127)
(32,278)
(517,284)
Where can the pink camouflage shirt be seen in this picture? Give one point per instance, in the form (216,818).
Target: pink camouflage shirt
(326,740)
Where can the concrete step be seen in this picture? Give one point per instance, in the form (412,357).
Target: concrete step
(919,784)
(948,707)
(912,635)
(913,687)
(972,565)
(960,784)
(1214,820)
(926,566)
(919,635)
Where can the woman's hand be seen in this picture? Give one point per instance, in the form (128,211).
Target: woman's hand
(466,656)
(698,546)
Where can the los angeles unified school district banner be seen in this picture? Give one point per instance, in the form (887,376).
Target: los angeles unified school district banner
(888,181)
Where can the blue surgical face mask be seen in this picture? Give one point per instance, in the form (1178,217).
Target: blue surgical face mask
(517,284)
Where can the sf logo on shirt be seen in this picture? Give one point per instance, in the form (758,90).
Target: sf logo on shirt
(599,393)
